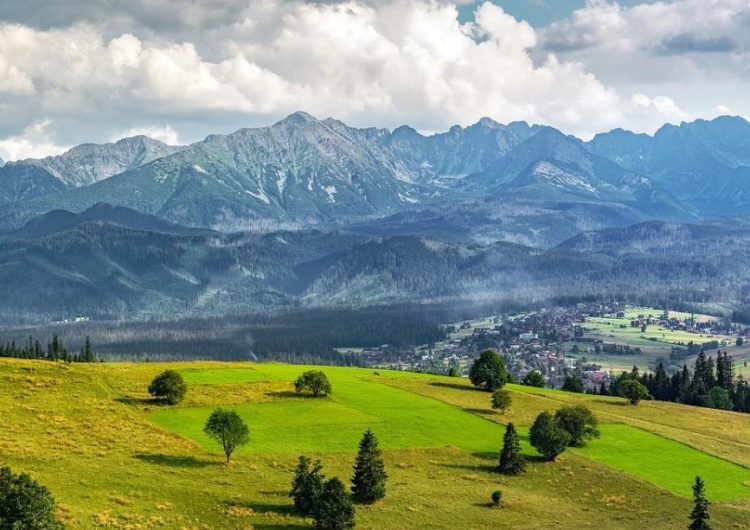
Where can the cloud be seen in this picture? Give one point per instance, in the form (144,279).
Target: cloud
(33,142)
(689,43)
(184,69)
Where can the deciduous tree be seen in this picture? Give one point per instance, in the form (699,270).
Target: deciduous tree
(488,371)
(547,438)
(227,428)
(579,422)
(316,381)
(25,504)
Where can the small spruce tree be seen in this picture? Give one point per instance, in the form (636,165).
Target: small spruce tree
(306,486)
(699,516)
(511,460)
(368,481)
(333,509)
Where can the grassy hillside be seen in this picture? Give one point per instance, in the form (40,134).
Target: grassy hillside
(114,459)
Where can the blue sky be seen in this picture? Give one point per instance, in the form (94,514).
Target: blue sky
(177,70)
(539,13)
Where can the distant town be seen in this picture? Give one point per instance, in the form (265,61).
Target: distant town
(566,341)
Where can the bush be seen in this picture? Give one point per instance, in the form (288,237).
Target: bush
(488,371)
(501,400)
(168,386)
(25,504)
(497,497)
(315,381)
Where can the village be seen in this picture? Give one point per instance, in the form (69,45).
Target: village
(558,342)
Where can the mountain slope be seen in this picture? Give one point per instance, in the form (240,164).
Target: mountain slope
(704,163)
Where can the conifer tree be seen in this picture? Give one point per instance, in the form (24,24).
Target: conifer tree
(333,509)
(511,460)
(699,516)
(368,481)
(306,486)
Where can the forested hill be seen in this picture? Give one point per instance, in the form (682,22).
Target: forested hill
(114,263)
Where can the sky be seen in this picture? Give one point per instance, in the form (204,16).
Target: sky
(77,71)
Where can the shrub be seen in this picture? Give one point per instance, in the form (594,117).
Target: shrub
(501,400)
(497,497)
(168,386)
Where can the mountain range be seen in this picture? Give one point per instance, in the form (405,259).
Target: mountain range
(310,213)
(303,172)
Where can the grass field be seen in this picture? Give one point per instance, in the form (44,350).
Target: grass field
(115,460)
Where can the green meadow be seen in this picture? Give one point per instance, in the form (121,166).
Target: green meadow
(114,459)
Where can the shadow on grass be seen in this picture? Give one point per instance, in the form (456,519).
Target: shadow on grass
(174,460)
(280,526)
(127,400)
(291,394)
(457,386)
(266,508)
(616,403)
(489,412)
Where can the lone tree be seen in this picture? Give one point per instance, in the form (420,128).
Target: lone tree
(534,378)
(315,381)
(333,509)
(547,438)
(168,386)
(368,481)
(579,422)
(25,504)
(573,384)
(488,371)
(633,391)
(306,486)
(511,460)
(227,428)
(501,400)
(699,516)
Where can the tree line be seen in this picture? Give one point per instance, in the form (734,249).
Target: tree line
(55,351)
(711,383)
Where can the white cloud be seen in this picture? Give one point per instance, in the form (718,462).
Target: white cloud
(34,142)
(164,134)
(185,73)
(662,106)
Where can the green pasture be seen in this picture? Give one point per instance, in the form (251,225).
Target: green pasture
(401,419)
(115,459)
(667,463)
